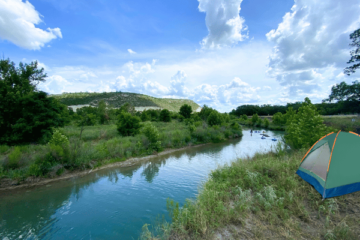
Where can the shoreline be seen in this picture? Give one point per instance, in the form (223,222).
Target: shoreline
(36,181)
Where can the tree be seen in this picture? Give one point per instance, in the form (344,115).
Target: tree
(128,125)
(102,113)
(266,122)
(27,115)
(145,116)
(355,54)
(165,115)
(345,92)
(305,127)
(214,118)
(254,118)
(185,110)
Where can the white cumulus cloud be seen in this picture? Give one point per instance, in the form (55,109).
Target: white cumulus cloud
(131,51)
(312,42)
(223,21)
(17,25)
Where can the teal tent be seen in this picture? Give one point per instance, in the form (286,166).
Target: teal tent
(332,164)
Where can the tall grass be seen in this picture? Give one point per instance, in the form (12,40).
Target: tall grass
(100,145)
(266,190)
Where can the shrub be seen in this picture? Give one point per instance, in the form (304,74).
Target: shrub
(14,158)
(185,110)
(145,116)
(58,139)
(278,119)
(254,118)
(128,125)
(214,118)
(165,115)
(151,132)
(305,127)
(244,117)
(266,122)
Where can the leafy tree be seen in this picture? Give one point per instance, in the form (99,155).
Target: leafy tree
(278,119)
(27,115)
(345,92)
(205,112)
(355,54)
(266,122)
(254,118)
(151,132)
(244,117)
(128,125)
(185,110)
(214,118)
(89,119)
(305,127)
(145,116)
(102,112)
(165,115)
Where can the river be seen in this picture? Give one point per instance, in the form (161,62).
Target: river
(115,203)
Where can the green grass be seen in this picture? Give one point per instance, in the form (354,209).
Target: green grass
(262,198)
(102,144)
(343,123)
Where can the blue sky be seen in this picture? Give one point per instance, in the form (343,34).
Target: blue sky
(222,53)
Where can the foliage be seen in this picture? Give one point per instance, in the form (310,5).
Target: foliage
(185,110)
(145,116)
(89,119)
(151,132)
(305,127)
(355,54)
(103,113)
(244,117)
(128,125)
(214,118)
(58,139)
(278,119)
(205,112)
(254,118)
(165,115)
(266,122)
(27,115)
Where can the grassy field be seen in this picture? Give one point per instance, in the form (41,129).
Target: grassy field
(261,198)
(117,99)
(99,145)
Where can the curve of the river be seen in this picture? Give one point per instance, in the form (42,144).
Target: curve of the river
(115,203)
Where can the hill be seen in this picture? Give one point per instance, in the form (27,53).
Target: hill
(117,99)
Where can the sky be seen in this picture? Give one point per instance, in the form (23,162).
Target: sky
(222,53)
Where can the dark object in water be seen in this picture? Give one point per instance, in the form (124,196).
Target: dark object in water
(274,139)
(265,135)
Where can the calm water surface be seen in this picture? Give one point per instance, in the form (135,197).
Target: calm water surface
(115,203)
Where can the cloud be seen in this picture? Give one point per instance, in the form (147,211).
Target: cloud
(224,24)
(54,84)
(312,42)
(17,25)
(131,51)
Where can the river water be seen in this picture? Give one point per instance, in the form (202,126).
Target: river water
(115,203)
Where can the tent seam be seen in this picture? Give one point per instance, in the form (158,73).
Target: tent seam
(314,145)
(354,133)
(327,173)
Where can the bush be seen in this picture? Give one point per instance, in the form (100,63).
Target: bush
(151,132)
(254,118)
(278,119)
(128,125)
(165,115)
(266,122)
(244,117)
(59,139)
(185,110)
(145,116)
(14,158)
(305,127)
(215,118)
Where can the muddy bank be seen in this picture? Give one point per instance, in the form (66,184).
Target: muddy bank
(10,184)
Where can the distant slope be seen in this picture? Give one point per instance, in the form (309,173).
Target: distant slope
(117,99)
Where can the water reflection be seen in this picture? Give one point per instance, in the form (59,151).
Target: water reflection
(115,203)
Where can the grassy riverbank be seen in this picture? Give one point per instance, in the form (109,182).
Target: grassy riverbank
(262,198)
(99,145)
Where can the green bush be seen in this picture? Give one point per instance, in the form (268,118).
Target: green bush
(165,115)
(4,148)
(14,158)
(278,119)
(266,122)
(151,132)
(128,125)
(254,119)
(185,110)
(305,127)
(59,139)
(214,118)
(244,117)
(145,116)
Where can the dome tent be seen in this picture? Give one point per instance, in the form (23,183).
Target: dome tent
(332,164)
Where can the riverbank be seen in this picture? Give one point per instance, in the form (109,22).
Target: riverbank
(38,181)
(99,146)
(262,198)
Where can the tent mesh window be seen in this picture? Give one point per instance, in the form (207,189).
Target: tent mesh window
(318,160)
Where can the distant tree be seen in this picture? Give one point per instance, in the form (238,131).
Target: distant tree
(26,114)
(205,112)
(214,118)
(165,115)
(266,122)
(244,117)
(278,118)
(145,116)
(254,118)
(345,92)
(185,110)
(102,113)
(128,125)
(355,54)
